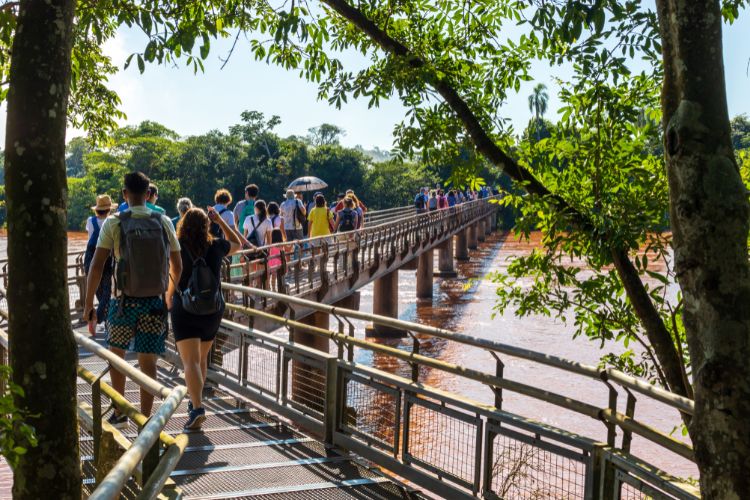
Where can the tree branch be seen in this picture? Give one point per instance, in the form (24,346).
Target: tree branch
(650,319)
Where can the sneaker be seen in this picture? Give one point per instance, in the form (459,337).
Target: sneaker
(101,328)
(196,417)
(118,421)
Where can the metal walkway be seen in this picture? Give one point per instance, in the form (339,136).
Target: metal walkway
(245,452)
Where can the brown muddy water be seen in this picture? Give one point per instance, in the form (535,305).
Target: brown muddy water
(465,304)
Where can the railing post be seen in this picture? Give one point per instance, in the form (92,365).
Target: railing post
(150,462)
(332,398)
(627,436)
(600,476)
(96,412)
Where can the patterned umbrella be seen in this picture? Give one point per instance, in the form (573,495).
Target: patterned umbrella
(307,183)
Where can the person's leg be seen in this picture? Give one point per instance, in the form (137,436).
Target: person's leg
(190,351)
(147,363)
(118,378)
(205,348)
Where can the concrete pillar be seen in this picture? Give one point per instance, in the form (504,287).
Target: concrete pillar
(493,219)
(480,230)
(462,249)
(424,275)
(445,260)
(471,233)
(488,225)
(305,389)
(385,303)
(319,320)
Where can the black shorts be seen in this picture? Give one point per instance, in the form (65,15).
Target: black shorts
(191,326)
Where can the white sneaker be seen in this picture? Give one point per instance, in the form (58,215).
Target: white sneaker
(101,328)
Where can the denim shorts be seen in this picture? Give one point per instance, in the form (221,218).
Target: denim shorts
(137,324)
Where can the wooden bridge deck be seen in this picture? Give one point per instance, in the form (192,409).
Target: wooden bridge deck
(244,451)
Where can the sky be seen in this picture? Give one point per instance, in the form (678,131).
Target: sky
(193,104)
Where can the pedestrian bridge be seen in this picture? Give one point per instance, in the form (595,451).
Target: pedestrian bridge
(296,412)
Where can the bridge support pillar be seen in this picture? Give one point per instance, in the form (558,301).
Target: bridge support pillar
(445,260)
(471,233)
(302,373)
(385,303)
(424,275)
(480,230)
(462,248)
(493,219)
(488,224)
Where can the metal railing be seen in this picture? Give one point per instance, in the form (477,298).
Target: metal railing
(446,443)
(152,455)
(316,266)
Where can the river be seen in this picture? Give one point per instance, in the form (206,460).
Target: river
(465,304)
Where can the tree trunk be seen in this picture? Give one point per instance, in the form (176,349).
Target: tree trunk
(709,215)
(656,331)
(43,351)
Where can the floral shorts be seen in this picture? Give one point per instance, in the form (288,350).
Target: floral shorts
(139,324)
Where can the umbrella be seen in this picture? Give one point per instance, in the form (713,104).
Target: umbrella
(307,183)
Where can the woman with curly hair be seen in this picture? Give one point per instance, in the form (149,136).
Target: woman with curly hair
(194,333)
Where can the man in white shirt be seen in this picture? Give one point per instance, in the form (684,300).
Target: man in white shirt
(137,321)
(292,224)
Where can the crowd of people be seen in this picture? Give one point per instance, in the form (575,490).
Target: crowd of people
(428,199)
(170,268)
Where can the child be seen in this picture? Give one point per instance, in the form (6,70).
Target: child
(274,254)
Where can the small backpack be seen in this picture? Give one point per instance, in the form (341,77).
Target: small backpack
(433,203)
(347,220)
(419,203)
(253,236)
(215,229)
(298,215)
(247,210)
(143,268)
(203,293)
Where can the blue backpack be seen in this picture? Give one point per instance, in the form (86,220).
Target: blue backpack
(91,247)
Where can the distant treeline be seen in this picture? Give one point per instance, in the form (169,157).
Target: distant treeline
(251,152)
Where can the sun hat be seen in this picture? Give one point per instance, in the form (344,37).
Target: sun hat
(289,194)
(103,202)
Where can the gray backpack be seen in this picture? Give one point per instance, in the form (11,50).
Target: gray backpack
(143,268)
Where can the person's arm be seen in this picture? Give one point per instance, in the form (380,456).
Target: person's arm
(283,229)
(235,244)
(175,272)
(93,279)
(337,223)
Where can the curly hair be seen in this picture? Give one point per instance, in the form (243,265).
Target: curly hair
(192,232)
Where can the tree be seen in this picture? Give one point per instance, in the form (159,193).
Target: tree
(538,105)
(710,217)
(326,134)
(44,353)
(76,149)
(740,132)
(452,70)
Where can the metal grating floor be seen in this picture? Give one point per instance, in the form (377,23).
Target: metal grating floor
(244,452)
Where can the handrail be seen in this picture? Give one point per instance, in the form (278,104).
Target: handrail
(112,484)
(604,414)
(144,381)
(679,402)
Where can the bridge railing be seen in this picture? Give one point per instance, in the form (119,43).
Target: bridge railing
(315,264)
(150,457)
(448,444)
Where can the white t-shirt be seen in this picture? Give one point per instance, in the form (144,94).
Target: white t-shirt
(261,228)
(287,212)
(109,234)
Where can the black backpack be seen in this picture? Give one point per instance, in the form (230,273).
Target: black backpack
(203,293)
(215,229)
(419,202)
(347,220)
(253,236)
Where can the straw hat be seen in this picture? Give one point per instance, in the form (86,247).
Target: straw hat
(103,202)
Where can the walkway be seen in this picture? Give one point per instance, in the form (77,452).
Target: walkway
(244,451)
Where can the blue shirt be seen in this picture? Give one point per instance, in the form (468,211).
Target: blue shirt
(124,206)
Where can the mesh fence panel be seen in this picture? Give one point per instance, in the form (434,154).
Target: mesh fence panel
(373,411)
(526,471)
(225,357)
(307,384)
(444,440)
(629,492)
(262,367)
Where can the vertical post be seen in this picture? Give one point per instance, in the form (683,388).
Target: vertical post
(472,237)
(488,224)
(445,260)
(462,248)
(385,303)
(424,275)
(480,230)
(600,476)
(332,399)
